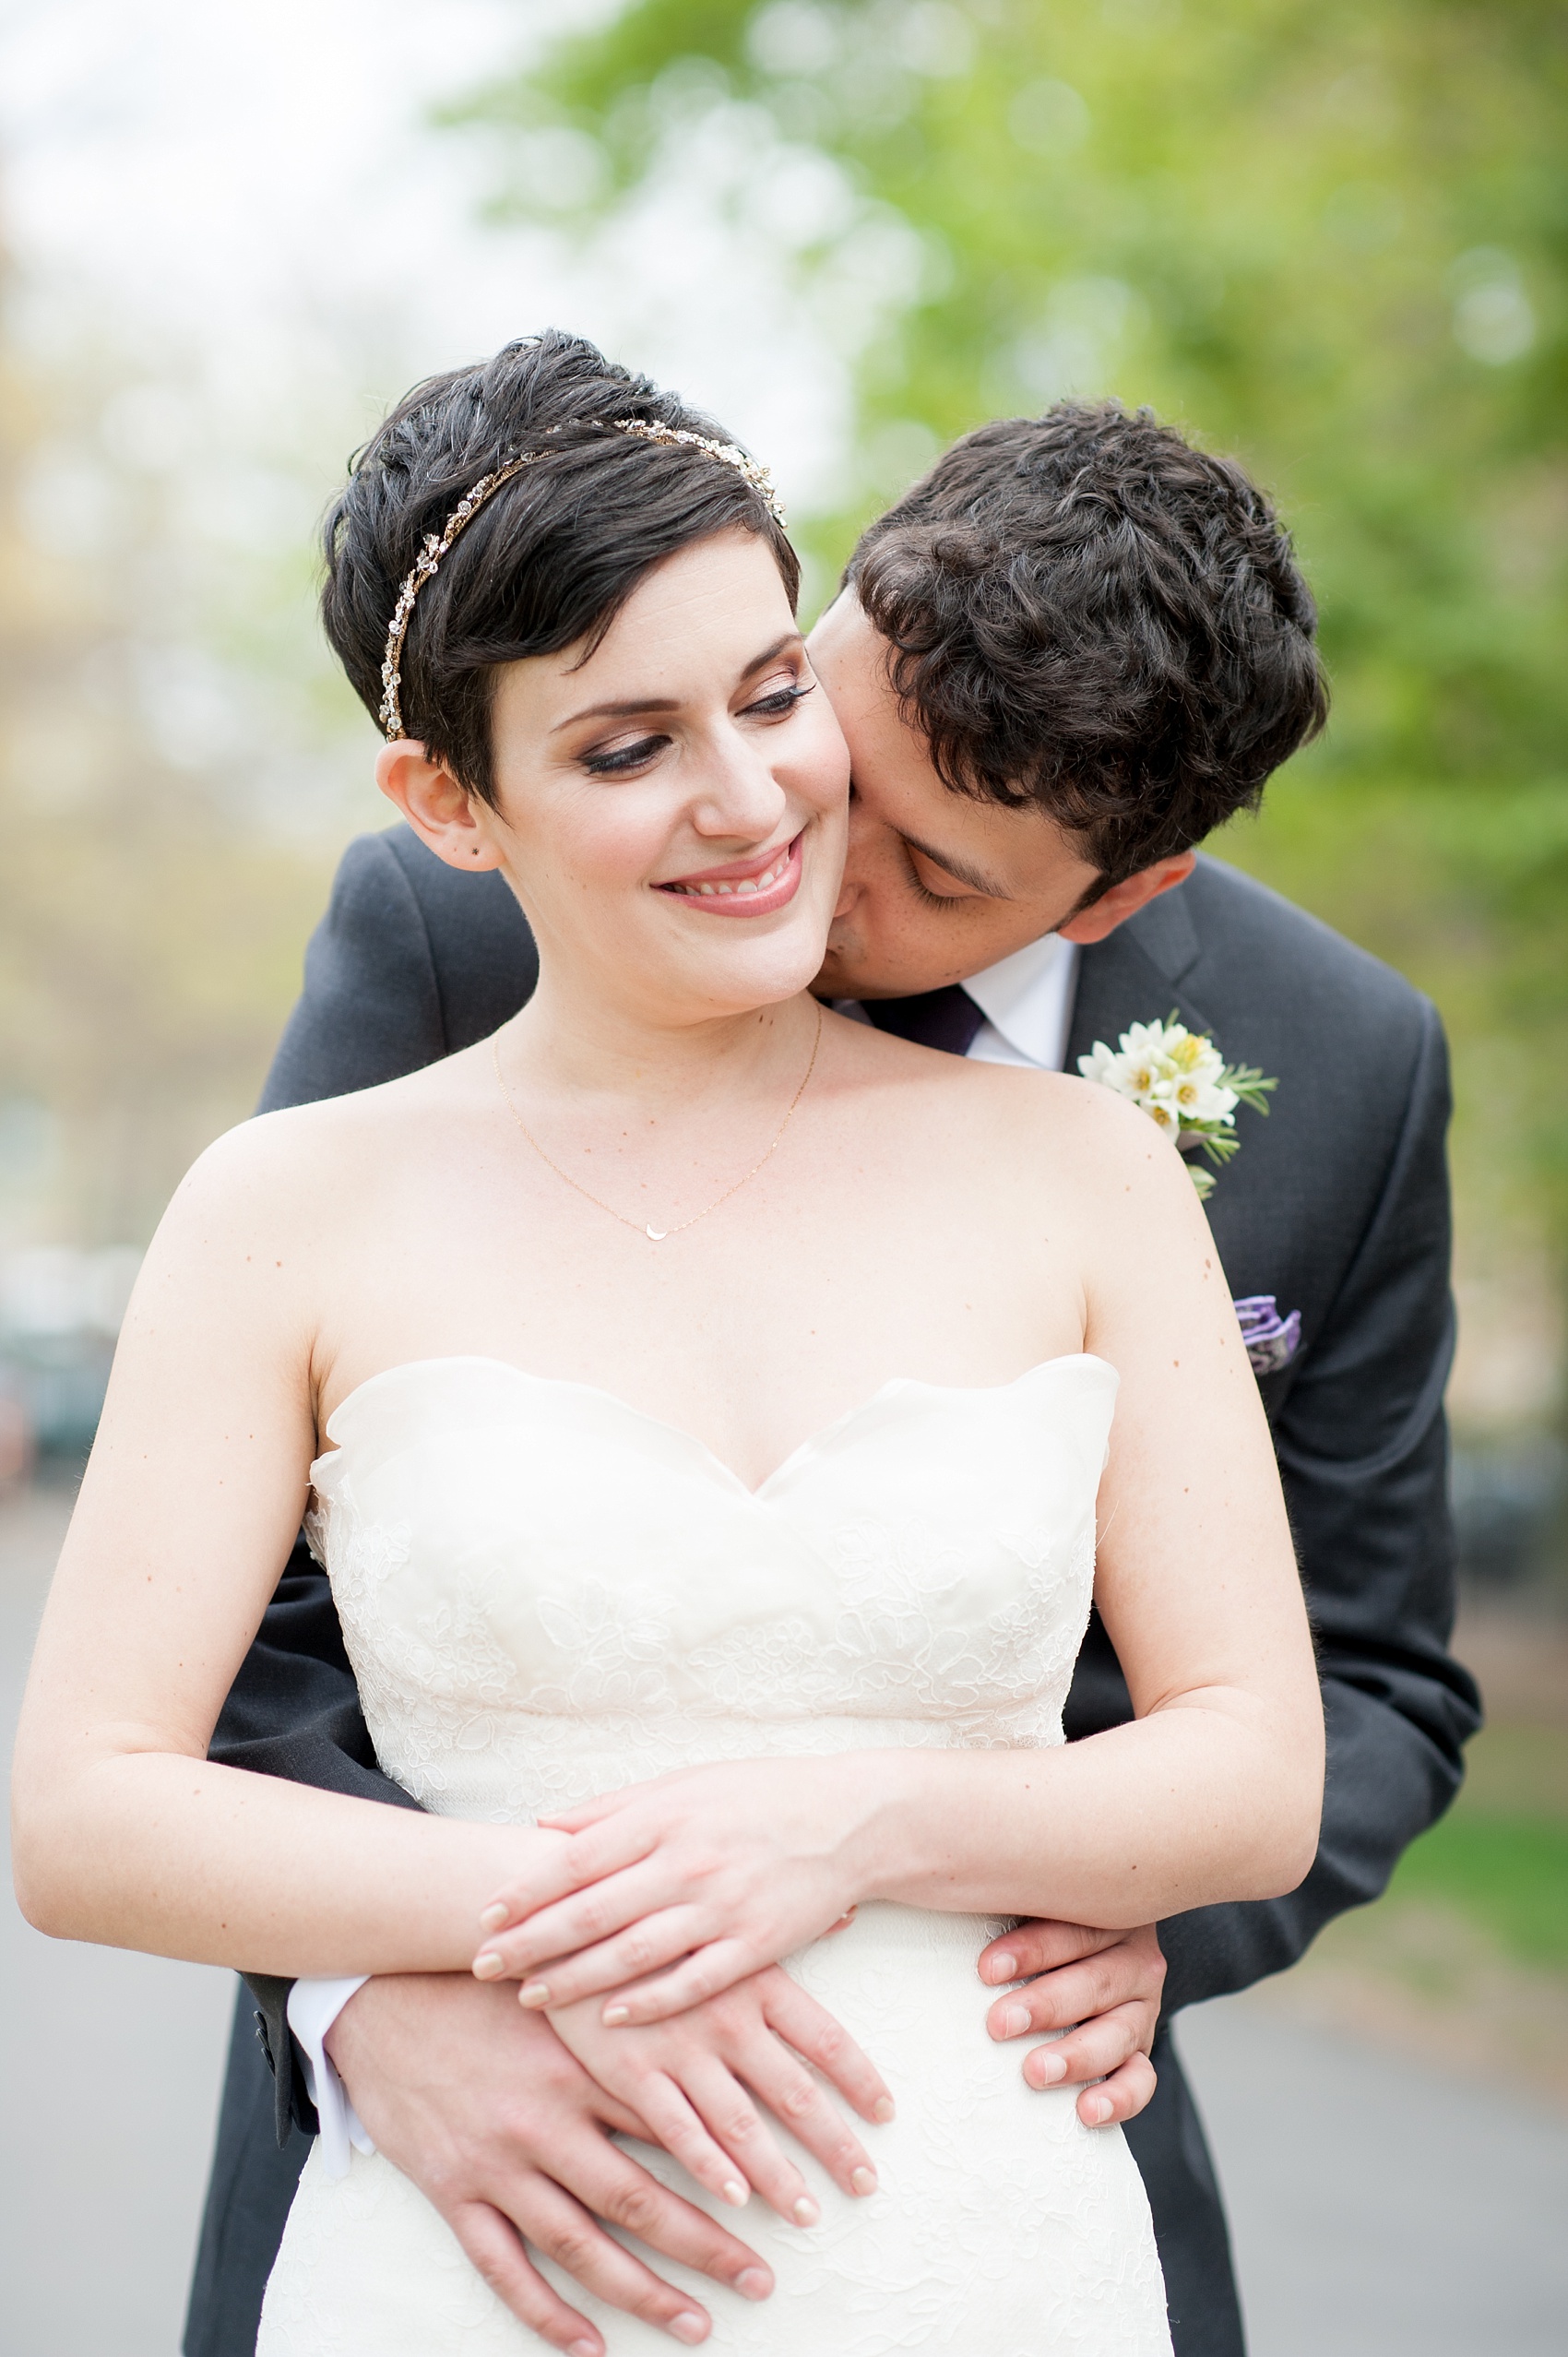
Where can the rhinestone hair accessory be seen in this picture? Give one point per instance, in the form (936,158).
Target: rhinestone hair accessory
(730,453)
(436,545)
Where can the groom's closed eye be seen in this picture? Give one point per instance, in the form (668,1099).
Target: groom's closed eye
(942,883)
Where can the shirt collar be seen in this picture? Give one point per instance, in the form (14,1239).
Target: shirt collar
(1029,998)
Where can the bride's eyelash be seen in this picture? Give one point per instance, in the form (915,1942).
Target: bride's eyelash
(632,756)
(782,700)
(627,757)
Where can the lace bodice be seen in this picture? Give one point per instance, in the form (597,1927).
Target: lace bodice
(546,1593)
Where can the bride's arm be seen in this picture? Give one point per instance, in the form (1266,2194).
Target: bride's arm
(125,1833)
(1213,1793)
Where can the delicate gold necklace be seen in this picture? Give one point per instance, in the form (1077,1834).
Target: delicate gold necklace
(641,1228)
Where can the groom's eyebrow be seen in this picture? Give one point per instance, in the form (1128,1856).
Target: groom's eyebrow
(977,880)
(635,704)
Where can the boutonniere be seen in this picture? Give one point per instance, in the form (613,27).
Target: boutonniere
(1182,1081)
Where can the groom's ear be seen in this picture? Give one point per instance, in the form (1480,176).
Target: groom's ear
(1124,899)
(445,817)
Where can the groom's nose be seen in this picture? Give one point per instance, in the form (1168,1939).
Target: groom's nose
(866,850)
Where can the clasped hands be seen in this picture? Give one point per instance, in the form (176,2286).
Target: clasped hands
(645,1934)
(663,1910)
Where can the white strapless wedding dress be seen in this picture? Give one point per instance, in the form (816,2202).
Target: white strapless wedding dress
(548,1594)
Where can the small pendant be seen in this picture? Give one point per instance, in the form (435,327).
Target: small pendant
(655,1235)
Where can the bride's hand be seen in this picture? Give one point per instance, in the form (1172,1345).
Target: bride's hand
(689,2078)
(726,1868)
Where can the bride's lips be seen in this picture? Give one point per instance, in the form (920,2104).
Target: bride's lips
(750,888)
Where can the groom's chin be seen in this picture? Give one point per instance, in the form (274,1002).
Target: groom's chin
(846,971)
(844,975)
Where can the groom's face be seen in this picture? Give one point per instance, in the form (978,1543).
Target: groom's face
(937,884)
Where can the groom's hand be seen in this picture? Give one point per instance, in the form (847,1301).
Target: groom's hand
(1109,1984)
(483,2107)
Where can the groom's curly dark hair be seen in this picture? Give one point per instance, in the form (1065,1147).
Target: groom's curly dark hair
(1087,613)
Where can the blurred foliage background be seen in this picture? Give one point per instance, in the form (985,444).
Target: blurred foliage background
(1328,238)
(149,927)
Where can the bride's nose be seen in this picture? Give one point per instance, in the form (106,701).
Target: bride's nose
(738,794)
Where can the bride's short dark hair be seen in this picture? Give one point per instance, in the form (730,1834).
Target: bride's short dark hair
(1087,614)
(551,556)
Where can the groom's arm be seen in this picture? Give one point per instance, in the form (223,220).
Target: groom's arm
(1362,1448)
(1363,1453)
(294,1711)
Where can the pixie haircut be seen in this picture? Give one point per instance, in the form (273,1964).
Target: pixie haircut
(550,558)
(1086,614)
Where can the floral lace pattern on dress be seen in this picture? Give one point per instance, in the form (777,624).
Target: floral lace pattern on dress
(546,1594)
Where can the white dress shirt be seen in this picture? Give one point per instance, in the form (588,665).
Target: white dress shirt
(1026,1000)
(313,2007)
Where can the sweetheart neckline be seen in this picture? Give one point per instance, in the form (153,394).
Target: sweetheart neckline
(661,1423)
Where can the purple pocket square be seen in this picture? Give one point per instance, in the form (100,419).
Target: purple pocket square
(1272,1342)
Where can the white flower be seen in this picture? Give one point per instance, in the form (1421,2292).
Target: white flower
(1106,1067)
(1182,1081)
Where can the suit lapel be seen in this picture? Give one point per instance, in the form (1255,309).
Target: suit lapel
(1136,976)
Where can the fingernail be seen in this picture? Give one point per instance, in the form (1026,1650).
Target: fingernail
(735,2193)
(1101,2106)
(752,2284)
(881,2110)
(1003,1968)
(534,1993)
(488,1965)
(1014,2020)
(689,2327)
(863,2180)
(583,2348)
(492,1921)
(616,2015)
(1049,2069)
(805,2213)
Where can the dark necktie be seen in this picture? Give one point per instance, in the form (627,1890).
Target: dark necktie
(944,1018)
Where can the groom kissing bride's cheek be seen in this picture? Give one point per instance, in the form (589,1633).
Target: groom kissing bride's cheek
(1067,655)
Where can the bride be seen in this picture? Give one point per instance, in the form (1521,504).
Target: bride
(704,1404)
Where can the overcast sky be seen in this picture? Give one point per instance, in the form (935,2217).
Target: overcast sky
(248,195)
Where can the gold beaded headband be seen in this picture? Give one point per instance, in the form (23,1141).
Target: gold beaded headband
(437,543)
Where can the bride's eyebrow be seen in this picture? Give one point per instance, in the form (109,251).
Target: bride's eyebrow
(769,655)
(638,704)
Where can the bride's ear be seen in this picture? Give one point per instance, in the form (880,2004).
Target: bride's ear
(447,819)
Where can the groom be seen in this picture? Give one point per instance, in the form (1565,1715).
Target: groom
(1062,660)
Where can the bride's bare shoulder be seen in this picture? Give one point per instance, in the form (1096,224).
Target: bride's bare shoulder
(1042,1128)
(304,1160)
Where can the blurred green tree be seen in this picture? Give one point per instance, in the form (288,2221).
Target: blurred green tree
(150,932)
(1328,236)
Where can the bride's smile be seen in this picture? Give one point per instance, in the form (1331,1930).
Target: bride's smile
(756,886)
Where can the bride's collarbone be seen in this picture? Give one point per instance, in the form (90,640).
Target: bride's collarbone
(751,1369)
(750,1323)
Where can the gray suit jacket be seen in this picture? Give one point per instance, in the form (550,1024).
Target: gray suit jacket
(1338,1205)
